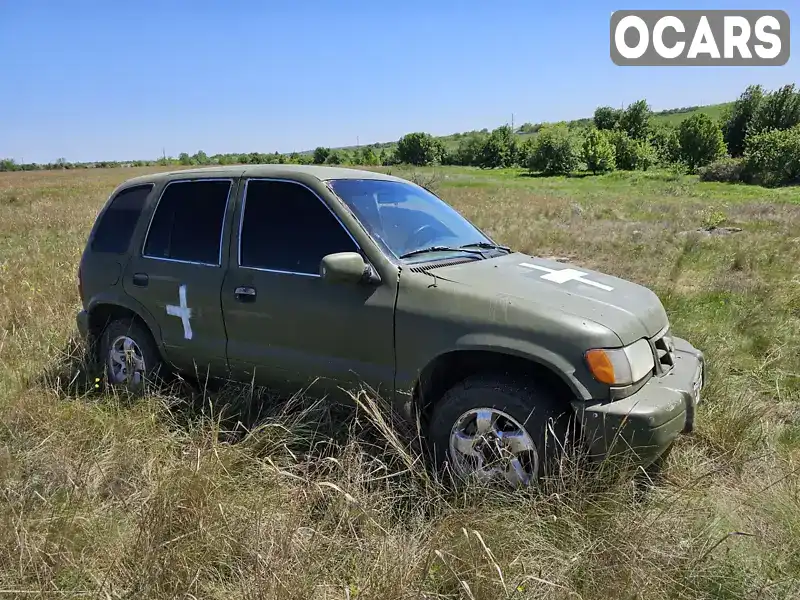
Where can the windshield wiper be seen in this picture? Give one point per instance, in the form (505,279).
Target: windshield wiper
(439,249)
(488,245)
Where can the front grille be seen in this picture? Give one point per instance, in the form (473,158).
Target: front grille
(664,351)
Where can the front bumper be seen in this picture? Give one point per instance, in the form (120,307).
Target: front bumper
(645,424)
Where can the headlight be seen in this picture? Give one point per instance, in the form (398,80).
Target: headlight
(621,366)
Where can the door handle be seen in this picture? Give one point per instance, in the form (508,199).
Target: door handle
(140,279)
(245,293)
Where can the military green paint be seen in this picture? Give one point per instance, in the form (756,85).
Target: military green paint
(304,329)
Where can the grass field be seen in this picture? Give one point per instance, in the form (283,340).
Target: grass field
(107,497)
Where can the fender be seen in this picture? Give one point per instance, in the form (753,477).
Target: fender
(124,301)
(526,349)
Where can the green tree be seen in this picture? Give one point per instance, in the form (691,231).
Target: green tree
(499,150)
(598,151)
(737,122)
(666,145)
(525,151)
(368,157)
(701,141)
(419,149)
(321,155)
(334,158)
(632,154)
(184,158)
(554,151)
(469,150)
(606,117)
(635,120)
(777,110)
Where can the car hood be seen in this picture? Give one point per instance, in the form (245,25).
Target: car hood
(630,310)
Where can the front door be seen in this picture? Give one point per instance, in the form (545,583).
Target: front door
(287,327)
(178,270)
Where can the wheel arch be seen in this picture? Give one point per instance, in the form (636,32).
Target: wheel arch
(448,368)
(106,309)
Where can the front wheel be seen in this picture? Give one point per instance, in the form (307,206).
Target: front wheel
(498,429)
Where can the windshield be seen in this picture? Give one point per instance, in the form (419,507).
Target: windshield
(404,217)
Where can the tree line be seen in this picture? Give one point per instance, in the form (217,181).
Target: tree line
(755,140)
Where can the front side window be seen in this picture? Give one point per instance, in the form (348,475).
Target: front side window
(403,217)
(187,224)
(287,228)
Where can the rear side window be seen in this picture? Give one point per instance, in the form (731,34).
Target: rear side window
(187,224)
(116,225)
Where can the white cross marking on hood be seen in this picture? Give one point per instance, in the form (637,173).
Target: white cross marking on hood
(564,275)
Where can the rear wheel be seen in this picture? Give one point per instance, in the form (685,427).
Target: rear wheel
(498,429)
(129,355)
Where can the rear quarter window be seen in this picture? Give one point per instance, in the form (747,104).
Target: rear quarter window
(115,227)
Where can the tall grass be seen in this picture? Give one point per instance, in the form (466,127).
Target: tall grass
(198,492)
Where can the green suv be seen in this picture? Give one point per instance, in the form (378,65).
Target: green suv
(295,277)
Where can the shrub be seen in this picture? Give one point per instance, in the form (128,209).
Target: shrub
(772,158)
(598,152)
(420,149)
(728,170)
(554,151)
(631,154)
(701,141)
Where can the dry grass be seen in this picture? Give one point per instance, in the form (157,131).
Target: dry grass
(219,495)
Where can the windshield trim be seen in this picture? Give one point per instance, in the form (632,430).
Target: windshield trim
(393,257)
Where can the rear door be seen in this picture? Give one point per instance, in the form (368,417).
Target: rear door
(110,239)
(177,271)
(290,328)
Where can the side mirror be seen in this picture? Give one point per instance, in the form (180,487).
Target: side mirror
(346,267)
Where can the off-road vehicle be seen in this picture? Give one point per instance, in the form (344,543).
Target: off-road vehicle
(287,275)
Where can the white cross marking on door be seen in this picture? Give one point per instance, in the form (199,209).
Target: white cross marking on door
(182,311)
(565,275)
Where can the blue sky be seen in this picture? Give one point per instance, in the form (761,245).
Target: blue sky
(89,80)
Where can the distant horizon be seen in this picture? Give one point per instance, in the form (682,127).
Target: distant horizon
(175,155)
(97,82)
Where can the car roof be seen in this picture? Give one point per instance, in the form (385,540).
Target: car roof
(301,173)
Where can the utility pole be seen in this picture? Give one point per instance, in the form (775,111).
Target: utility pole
(512,122)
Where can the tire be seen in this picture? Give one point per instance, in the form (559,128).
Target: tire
(533,410)
(141,347)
